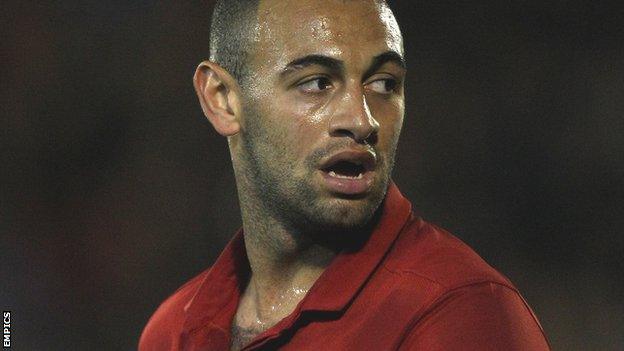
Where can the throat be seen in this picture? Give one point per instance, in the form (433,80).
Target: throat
(248,324)
(260,309)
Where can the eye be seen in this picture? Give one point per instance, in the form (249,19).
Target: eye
(383,86)
(315,85)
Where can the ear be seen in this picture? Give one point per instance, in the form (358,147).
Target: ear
(219,96)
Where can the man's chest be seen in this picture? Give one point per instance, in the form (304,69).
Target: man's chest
(241,336)
(377,320)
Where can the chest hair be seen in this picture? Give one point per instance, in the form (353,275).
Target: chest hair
(241,336)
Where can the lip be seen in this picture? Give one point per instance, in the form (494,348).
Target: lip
(365,158)
(349,186)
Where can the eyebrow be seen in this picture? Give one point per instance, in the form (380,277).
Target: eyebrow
(336,65)
(330,63)
(382,59)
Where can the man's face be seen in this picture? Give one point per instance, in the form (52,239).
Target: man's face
(323,110)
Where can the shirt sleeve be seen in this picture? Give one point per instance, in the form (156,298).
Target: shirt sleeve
(484,316)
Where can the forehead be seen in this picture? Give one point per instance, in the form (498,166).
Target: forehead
(339,28)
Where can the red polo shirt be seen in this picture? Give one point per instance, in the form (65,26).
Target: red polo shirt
(412,286)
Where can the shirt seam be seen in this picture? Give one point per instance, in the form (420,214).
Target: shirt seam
(447,294)
(452,287)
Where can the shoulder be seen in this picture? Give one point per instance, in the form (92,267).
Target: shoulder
(169,317)
(463,293)
(481,316)
(435,255)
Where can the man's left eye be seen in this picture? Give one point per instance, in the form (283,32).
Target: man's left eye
(383,86)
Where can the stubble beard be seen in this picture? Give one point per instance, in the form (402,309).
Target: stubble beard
(277,190)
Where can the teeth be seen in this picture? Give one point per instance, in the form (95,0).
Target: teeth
(333,174)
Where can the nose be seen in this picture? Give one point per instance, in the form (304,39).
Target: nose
(353,118)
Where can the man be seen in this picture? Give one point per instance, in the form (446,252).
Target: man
(309,94)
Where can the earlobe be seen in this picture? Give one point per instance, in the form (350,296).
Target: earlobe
(218,93)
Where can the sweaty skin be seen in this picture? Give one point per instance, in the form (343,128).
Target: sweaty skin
(293,119)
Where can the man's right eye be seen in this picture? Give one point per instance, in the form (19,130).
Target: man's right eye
(315,85)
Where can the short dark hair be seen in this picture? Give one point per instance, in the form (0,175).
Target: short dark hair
(231,35)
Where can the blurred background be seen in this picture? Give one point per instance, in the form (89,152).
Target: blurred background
(114,189)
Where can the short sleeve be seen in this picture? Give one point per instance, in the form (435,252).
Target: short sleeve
(484,316)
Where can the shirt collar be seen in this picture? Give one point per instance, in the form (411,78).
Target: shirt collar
(222,285)
(217,296)
(348,272)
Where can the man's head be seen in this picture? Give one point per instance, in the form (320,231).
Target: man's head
(232,33)
(312,105)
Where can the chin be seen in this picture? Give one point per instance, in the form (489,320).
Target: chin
(347,214)
(342,223)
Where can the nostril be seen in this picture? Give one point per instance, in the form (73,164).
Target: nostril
(372,138)
(343,132)
(360,127)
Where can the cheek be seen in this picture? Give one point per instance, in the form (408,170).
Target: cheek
(389,115)
(304,123)
(306,112)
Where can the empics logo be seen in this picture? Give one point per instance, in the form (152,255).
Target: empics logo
(6,330)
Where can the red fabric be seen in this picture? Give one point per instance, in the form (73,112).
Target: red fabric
(412,286)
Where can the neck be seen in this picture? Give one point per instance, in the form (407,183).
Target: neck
(281,258)
(284,262)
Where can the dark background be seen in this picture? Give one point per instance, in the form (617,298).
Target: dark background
(115,190)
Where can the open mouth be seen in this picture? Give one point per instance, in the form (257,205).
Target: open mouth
(346,170)
(350,172)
